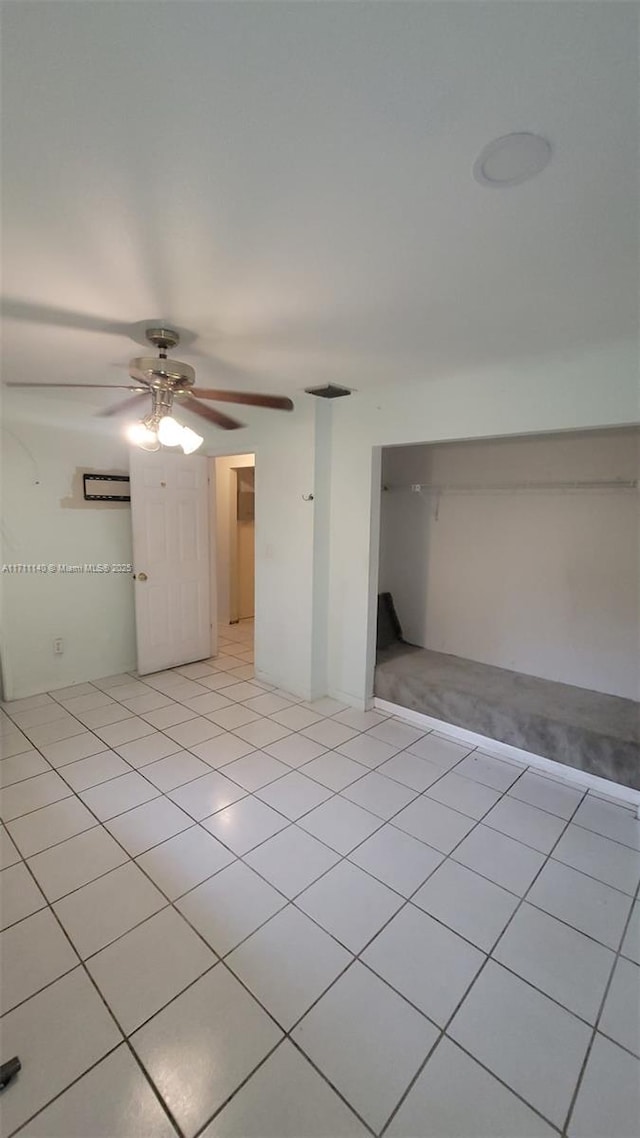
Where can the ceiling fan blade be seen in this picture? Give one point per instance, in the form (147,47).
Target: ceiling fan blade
(210,413)
(61,317)
(98,386)
(124,405)
(251,399)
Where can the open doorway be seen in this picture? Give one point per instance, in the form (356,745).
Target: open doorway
(234,484)
(512,565)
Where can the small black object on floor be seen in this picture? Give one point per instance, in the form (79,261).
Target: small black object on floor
(8,1070)
(389,630)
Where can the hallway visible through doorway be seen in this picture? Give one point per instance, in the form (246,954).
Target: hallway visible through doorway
(243,578)
(234,508)
(235,649)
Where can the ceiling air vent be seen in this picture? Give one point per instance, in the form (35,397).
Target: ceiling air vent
(331,391)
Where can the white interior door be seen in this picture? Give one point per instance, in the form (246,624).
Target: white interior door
(170,518)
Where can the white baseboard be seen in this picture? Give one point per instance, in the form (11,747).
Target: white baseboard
(274,682)
(624,794)
(349,700)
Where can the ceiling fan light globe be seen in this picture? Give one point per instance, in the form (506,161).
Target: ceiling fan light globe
(151,444)
(190,440)
(170,431)
(142,436)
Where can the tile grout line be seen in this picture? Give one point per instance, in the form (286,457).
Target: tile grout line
(240,857)
(286,1038)
(165,793)
(94,984)
(125,1038)
(598,1018)
(357,956)
(170,904)
(295,821)
(334,793)
(341,858)
(336,750)
(59,1094)
(216,961)
(138,1027)
(488,956)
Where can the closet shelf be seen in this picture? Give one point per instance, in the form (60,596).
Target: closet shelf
(514,487)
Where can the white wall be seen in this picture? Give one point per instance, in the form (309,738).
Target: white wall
(538,582)
(94,615)
(285,466)
(46,522)
(321,508)
(597,388)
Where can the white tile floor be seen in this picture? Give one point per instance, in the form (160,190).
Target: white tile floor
(229,912)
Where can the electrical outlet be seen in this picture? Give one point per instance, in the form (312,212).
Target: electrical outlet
(58,646)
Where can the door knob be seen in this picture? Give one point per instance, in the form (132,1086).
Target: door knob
(142,576)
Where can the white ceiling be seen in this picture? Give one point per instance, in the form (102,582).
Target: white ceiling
(292,183)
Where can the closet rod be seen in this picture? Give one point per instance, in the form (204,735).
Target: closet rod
(435,488)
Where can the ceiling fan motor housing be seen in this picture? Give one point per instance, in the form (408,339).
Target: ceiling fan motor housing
(160,373)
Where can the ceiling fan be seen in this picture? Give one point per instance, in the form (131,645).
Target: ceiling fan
(166,379)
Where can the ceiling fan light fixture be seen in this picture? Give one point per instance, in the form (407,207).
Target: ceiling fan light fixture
(162,380)
(142,436)
(170,431)
(190,440)
(150,444)
(153,433)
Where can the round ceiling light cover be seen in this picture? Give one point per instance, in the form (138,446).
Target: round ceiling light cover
(512,159)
